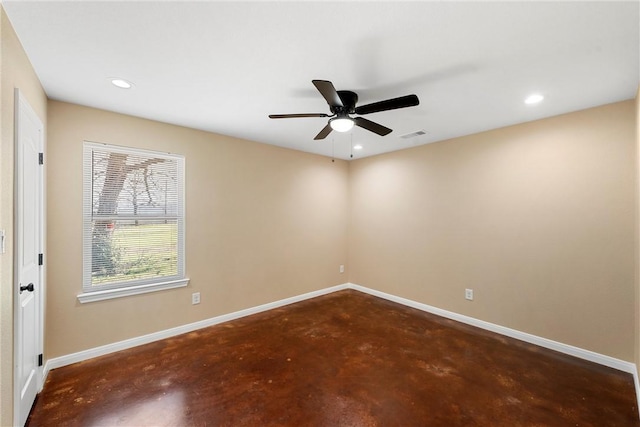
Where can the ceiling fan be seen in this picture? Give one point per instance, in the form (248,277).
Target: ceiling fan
(342,103)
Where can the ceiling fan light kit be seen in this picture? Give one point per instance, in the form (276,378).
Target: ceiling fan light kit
(341,124)
(342,103)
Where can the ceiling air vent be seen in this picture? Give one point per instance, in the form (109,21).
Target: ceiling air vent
(413,134)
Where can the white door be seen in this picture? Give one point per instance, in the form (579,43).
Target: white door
(28,247)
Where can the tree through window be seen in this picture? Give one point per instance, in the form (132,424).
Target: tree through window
(133,217)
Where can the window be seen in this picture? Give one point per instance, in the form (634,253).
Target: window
(133,221)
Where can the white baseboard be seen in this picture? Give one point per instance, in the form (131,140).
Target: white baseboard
(68,359)
(580,353)
(591,356)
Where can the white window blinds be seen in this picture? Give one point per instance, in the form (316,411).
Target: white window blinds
(133,217)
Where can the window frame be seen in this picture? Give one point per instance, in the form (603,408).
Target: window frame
(111,290)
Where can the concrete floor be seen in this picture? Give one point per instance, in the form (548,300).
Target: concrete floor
(343,359)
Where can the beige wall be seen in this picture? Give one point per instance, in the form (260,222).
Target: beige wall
(15,72)
(263,223)
(537,218)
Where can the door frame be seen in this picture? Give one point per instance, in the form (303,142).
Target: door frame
(21,109)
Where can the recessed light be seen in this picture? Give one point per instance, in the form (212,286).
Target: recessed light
(533,98)
(121,83)
(357,147)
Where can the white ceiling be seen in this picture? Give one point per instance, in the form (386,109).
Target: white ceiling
(224,66)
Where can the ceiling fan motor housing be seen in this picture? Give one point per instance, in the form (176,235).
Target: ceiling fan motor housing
(349,100)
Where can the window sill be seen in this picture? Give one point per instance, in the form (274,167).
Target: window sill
(94,296)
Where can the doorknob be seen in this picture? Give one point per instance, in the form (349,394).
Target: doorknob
(29,288)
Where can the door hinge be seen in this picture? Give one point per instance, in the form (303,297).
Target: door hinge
(41,158)
(40,359)
(40,259)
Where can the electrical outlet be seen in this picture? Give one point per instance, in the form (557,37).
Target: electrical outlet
(468,294)
(342,269)
(195,298)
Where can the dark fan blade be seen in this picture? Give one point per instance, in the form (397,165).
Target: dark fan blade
(389,104)
(293,116)
(329,92)
(324,132)
(372,126)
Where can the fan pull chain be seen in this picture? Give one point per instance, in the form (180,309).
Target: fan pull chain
(352,145)
(333,150)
